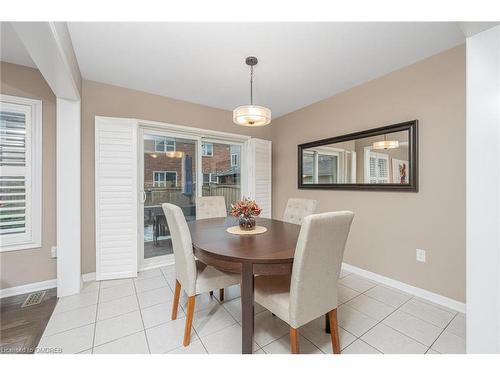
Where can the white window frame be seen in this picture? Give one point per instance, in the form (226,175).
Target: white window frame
(234,163)
(165,173)
(165,146)
(32,238)
(204,150)
(210,180)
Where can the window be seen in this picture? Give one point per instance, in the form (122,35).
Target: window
(376,167)
(210,178)
(207,149)
(164,144)
(234,160)
(165,179)
(20,173)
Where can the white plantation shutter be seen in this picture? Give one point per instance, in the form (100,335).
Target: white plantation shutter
(20,173)
(116,197)
(259,156)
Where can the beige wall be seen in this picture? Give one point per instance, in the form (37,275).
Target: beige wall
(389,226)
(34,265)
(99,99)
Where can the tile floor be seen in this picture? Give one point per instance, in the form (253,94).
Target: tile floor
(133,316)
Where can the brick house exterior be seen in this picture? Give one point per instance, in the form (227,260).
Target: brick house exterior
(154,161)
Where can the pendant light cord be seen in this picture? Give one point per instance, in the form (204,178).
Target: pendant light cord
(251,85)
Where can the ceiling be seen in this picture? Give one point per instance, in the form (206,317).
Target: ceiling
(299,63)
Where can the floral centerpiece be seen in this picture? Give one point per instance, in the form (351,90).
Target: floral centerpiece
(246,209)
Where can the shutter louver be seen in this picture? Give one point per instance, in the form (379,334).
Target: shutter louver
(116,198)
(260,181)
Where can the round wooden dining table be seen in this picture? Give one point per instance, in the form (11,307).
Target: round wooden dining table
(269,253)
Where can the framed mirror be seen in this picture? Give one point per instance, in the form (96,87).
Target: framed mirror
(383,158)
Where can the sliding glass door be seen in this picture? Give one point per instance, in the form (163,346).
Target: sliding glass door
(221,170)
(169,176)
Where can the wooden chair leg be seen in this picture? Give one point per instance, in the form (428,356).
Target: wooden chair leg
(221,294)
(175,304)
(189,320)
(294,340)
(334,331)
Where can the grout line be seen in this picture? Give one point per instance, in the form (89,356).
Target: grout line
(95,320)
(119,338)
(142,319)
(437,338)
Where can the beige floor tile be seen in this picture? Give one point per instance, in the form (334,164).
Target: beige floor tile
(315,332)
(158,314)
(117,291)
(234,308)
(143,285)
(211,320)
(68,342)
(203,301)
(427,312)
(133,344)
(416,328)
(389,296)
(155,297)
(155,272)
(457,326)
(345,294)
(193,348)
(448,343)
(371,307)
(168,336)
(225,341)
(117,327)
(357,283)
(353,321)
(282,346)
(360,347)
(268,328)
(390,341)
(116,307)
(70,319)
(76,301)
(112,283)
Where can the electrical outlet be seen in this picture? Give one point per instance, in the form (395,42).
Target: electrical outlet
(420,255)
(53,252)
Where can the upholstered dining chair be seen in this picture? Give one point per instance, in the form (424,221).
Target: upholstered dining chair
(192,275)
(297,209)
(311,290)
(207,208)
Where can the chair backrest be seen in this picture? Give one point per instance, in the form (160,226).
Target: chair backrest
(185,265)
(208,207)
(316,265)
(297,209)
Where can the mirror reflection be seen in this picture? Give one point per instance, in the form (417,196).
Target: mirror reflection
(380,159)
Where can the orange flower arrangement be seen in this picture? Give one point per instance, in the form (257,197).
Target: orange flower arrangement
(245,207)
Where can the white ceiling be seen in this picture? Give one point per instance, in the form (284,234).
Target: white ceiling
(299,63)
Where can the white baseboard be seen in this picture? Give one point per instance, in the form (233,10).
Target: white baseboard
(88,276)
(422,293)
(28,288)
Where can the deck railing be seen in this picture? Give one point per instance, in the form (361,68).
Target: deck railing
(158,195)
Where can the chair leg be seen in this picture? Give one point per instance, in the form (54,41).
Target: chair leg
(221,294)
(211,293)
(294,340)
(175,304)
(189,320)
(334,331)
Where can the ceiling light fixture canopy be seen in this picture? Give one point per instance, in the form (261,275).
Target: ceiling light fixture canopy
(250,114)
(385,144)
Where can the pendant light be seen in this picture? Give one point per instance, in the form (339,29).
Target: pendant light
(385,144)
(250,114)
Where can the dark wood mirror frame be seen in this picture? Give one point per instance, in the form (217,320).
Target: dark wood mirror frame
(412,186)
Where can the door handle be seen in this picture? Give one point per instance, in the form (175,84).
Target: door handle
(143,197)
